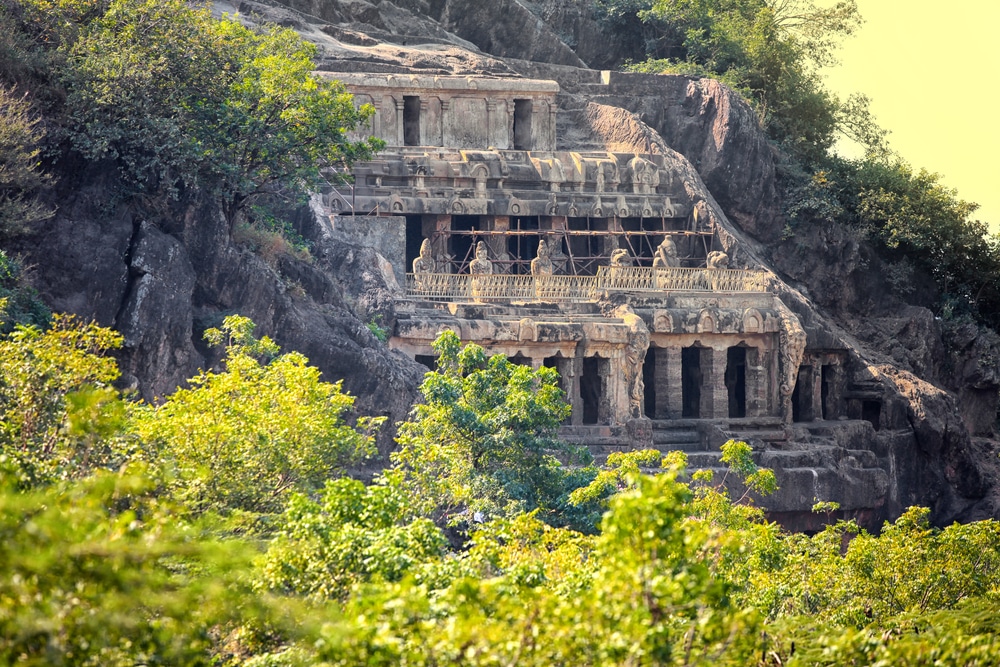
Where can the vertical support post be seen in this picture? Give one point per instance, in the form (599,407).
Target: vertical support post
(714,394)
(669,383)
(756,383)
(400,139)
(817,390)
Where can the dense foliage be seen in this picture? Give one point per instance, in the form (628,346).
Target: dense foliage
(179,101)
(115,553)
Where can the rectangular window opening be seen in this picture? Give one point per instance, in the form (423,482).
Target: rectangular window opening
(522,125)
(411,120)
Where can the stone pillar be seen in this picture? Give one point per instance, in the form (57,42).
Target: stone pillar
(492,123)
(611,242)
(400,139)
(446,138)
(817,392)
(550,144)
(553,222)
(756,383)
(669,382)
(425,132)
(714,394)
(498,244)
(377,117)
(570,370)
(436,228)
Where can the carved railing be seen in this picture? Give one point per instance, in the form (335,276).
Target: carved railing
(504,287)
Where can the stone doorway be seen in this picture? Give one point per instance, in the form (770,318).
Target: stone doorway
(411,120)
(736,381)
(522,125)
(691,382)
(802,396)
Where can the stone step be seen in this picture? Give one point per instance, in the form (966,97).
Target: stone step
(671,436)
(762,436)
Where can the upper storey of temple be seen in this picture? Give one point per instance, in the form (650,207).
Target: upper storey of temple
(459,112)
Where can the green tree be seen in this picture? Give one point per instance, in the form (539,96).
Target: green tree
(104,571)
(21,176)
(180,100)
(55,395)
(769,49)
(246,438)
(351,534)
(484,438)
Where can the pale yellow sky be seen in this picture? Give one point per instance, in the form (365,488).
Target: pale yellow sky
(931,69)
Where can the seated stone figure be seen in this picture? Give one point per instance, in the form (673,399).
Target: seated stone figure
(716,260)
(666,255)
(424,263)
(541,265)
(423,266)
(481,265)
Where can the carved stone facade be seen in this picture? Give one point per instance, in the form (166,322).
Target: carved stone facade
(598,264)
(459,112)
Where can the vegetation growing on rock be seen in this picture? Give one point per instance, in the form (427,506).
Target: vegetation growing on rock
(772,51)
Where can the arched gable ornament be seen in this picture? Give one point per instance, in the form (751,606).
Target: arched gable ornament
(753,322)
(662,322)
(706,322)
(480,173)
(527,330)
(622,206)
(396,204)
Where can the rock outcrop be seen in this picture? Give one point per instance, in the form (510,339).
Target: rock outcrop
(163,282)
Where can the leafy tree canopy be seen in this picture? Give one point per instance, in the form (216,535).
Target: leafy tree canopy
(245,438)
(771,50)
(484,439)
(102,567)
(182,101)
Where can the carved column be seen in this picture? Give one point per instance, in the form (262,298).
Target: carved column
(557,223)
(756,383)
(492,122)
(817,390)
(446,138)
(424,130)
(669,383)
(436,228)
(400,138)
(571,385)
(714,394)
(498,244)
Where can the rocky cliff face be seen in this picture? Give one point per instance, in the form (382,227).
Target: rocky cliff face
(162,282)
